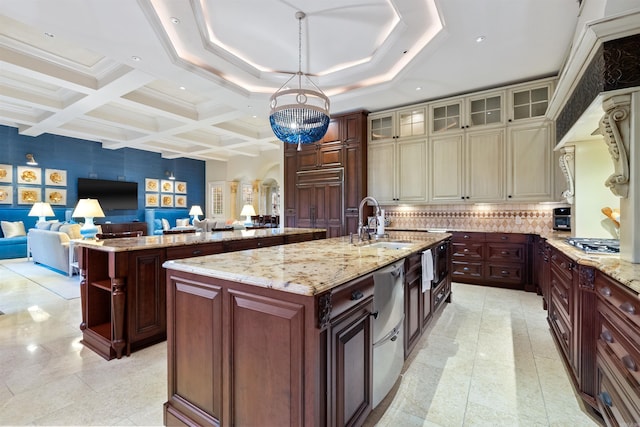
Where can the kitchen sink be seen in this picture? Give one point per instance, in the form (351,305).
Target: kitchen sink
(391,245)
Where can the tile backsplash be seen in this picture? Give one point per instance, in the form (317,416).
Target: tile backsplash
(508,218)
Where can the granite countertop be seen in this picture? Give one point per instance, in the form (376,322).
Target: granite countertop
(184,239)
(307,268)
(625,272)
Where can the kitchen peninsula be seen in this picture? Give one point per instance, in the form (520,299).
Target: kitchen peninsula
(280,335)
(123,289)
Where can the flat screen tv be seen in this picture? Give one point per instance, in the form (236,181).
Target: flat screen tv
(112,195)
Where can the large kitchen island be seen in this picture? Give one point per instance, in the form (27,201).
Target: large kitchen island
(280,336)
(123,289)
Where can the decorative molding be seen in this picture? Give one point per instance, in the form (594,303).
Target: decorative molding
(622,63)
(324,310)
(587,278)
(567,165)
(614,126)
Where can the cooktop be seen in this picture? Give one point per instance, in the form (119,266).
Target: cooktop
(595,245)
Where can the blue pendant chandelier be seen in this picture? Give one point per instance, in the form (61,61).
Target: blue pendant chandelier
(299,116)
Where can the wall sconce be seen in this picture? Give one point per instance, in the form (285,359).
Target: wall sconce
(31,161)
(170,175)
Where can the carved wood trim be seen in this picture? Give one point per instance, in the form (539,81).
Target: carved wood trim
(614,126)
(324,310)
(586,278)
(567,166)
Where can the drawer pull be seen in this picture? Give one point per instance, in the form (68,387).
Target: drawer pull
(466,236)
(504,272)
(606,336)
(197,252)
(374,314)
(628,308)
(504,238)
(605,398)
(505,253)
(605,291)
(466,250)
(629,363)
(356,295)
(465,269)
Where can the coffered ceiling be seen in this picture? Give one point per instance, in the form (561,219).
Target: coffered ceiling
(192,78)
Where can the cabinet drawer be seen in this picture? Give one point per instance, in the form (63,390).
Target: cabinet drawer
(625,303)
(472,236)
(466,269)
(194,250)
(560,292)
(561,329)
(506,252)
(505,273)
(507,237)
(240,245)
(616,407)
(468,250)
(562,264)
(350,295)
(413,262)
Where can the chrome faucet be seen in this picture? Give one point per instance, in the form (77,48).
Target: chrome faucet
(362,230)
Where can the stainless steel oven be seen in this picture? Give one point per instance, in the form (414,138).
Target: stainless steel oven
(562,219)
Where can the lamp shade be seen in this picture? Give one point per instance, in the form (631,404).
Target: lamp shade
(41,210)
(248,211)
(195,210)
(89,209)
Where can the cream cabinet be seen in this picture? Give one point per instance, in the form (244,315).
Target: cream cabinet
(529,162)
(529,101)
(397,171)
(482,110)
(397,124)
(467,166)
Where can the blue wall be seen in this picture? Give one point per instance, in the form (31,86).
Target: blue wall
(87,159)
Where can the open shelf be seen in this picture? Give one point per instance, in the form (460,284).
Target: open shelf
(102,284)
(104,330)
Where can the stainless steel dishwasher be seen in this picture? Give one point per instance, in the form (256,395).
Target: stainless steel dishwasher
(388,329)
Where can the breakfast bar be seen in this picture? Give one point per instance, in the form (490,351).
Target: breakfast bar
(123,289)
(280,335)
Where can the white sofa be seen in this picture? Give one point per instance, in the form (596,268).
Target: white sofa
(51,248)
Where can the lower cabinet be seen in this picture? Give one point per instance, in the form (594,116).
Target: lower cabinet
(493,259)
(244,355)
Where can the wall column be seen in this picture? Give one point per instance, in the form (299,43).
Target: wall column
(630,205)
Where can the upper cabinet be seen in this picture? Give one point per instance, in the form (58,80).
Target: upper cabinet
(471,112)
(529,101)
(404,123)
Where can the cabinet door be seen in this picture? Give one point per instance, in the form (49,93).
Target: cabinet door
(381,127)
(412,171)
(412,122)
(529,162)
(381,171)
(485,110)
(351,353)
(327,208)
(290,192)
(485,166)
(446,168)
(446,116)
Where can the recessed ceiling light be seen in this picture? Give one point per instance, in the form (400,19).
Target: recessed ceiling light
(183,88)
(136,58)
(50,35)
(480,39)
(419,88)
(174,20)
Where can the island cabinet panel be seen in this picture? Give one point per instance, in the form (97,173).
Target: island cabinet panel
(618,352)
(146,312)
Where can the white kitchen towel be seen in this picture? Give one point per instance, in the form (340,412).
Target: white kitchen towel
(427,270)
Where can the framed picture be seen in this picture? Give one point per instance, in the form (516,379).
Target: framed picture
(55,196)
(29,195)
(181,187)
(181,201)
(6,195)
(6,173)
(167,186)
(151,184)
(55,177)
(151,200)
(29,175)
(167,200)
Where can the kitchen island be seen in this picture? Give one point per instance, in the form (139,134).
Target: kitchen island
(123,288)
(277,336)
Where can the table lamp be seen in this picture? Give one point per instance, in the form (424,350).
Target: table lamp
(89,209)
(196,211)
(41,210)
(248,211)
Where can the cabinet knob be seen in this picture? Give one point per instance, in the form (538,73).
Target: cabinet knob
(605,398)
(197,252)
(628,308)
(465,269)
(504,253)
(356,295)
(606,336)
(629,363)
(605,291)
(504,272)
(509,196)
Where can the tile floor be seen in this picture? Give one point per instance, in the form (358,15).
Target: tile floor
(488,359)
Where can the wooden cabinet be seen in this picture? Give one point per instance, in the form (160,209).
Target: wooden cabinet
(422,303)
(561,304)
(529,162)
(467,166)
(312,198)
(494,259)
(541,271)
(246,355)
(397,171)
(618,352)
(124,227)
(123,293)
